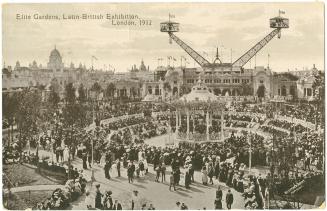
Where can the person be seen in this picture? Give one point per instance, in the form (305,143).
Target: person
(135,200)
(184,207)
(117,206)
(219,193)
(89,158)
(141,168)
(218,204)
(204,176)
(107,202)
(84,160)
(172,181)
(107,167)
(88,201)
(130,173)
(118,167)
(66,154)
(151,207)
(191,171)
(158,170)
(98,197)
(210,173)
(266,198)
(178,206)
(163,172)
(103,159)
(229,199)
(187,179)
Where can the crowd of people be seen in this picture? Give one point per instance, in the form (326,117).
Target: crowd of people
(61,198)
(122,140)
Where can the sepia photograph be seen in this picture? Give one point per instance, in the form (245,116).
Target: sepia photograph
(167,106)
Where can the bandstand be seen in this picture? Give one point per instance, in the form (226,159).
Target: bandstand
(199,106)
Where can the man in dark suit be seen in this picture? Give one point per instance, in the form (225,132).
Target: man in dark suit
(118,167)
(107,167)
(117,206)
(229,199)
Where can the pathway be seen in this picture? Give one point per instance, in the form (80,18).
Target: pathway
(33,188)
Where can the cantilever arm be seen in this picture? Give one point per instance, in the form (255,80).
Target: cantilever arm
(196,56)
(255,49)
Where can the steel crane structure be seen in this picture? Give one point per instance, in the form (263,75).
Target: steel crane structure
(277,23)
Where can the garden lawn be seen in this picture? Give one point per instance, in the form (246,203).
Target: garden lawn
(20,175)
(25,200)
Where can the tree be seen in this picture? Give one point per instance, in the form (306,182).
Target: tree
(96,87)
(318,85)
(183,90)
(133,92)
(261,91)
(29,114)
(167,86)
(246,89)
(70,93)
(81,94)
(54,98)
(10,106)
(110,89)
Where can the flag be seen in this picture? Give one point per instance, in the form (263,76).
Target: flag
(281,12)
(171,16)
(94,57)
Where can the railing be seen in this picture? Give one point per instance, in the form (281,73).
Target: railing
(114,119)
(298,121)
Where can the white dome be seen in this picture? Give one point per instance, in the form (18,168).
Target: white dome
(199,92)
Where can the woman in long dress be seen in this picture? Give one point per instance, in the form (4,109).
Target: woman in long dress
(103,160)
(204,175)
(66,154)
(113,169)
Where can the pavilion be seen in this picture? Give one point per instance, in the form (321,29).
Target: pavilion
(199,101)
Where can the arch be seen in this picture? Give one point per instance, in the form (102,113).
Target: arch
(283,92)
(226,91)
(293,90)
(123,92)
(156,91)
(150,90)
(261,91)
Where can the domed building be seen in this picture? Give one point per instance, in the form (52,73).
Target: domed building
(192,107)
(55,61)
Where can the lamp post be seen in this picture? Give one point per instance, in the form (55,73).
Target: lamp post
(92,142)
(250,152)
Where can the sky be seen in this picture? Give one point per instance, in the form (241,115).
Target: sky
(232,27)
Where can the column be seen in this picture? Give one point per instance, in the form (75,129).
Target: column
(176,114)
(222,124)
(211,114)
(188,123)
(179,119)
(207,123)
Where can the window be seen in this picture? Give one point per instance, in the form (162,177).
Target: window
(226,81)
(309,92)
(175,82)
